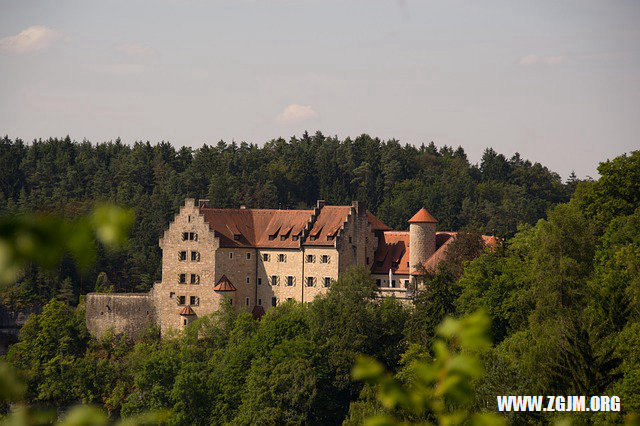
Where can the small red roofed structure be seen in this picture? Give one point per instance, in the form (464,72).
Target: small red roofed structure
(224,284)
(423,216)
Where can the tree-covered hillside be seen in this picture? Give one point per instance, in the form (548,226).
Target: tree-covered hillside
(66,177)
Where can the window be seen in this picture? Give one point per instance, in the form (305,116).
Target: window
(193,236)
(247,301)
(184,321)
(231,302)
(274,280)
(248,280)
(195,279)
(272,237)
(310,281)
(378,283)
(230,255)
(406,283)
(283,237)
(274,301)
(180,300)
(367,260)
(311,258)
(290,280)
(295,237)
(325,258)
(259,302)
(248,255)
(330,237)
(393,283)
(182,278)
(282,257)
(350,240)
(189,218)
(265,257)
(327,281)
(185,236)
(312,238)
(171,295)
(236,237)
(195,256)
(259,281)
(182,256)
(407,264)
(289,299)
(194,300)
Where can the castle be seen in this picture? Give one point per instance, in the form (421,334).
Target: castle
(257,258)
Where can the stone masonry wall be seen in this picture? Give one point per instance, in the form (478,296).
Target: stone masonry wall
(123,313)
(166,294)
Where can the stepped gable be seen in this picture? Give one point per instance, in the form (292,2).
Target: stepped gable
(224,284)
(392,253)
(423,216)
(257,227)
(187,311)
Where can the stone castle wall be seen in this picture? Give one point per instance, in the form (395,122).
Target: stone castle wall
(121,313)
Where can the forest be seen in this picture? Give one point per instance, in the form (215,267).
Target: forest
(560,295)
(394,181)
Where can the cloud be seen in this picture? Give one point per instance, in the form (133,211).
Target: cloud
(118,69)
(295,113)
(136,50)
(29,40)
(535,59)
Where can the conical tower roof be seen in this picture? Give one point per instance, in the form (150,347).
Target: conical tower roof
(423,216)
(224,284)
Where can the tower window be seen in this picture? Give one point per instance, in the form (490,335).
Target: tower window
(259,302)
(325,258)
(378,283)
(182,256)
(265,257)
(248,255)
(327,281)
(247,301)
(185,236)
(274,301)
(194,300)
(311,258)
(182,278)
(248,280)
(310,281)
(230,255)
(259,281)
(180,300)
(290,280)
(195,279)
(193,236)
(282,257)
(195,256)
(274,280)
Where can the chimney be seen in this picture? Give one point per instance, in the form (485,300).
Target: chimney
(359,208)
(203,203)
(320,204)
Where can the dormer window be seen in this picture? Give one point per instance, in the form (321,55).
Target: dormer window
(329,237)
(236,237)
(283,237)
(272,237)
(312,238)
(295,237)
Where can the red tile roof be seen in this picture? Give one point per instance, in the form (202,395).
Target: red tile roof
(423,216)
(329,221)
(392,253)
(224,284)
(187,311)
(376,224)
(253,227)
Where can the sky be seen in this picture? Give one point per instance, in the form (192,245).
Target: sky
(556,80)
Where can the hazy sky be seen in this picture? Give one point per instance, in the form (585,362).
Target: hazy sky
(556,80)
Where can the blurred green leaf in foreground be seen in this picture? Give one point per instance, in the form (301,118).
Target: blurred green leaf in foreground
(45,239)
(439,390)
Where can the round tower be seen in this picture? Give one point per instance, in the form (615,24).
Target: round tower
(422,240)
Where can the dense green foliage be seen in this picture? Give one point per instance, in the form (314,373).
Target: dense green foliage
(562,297)
(67,178)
